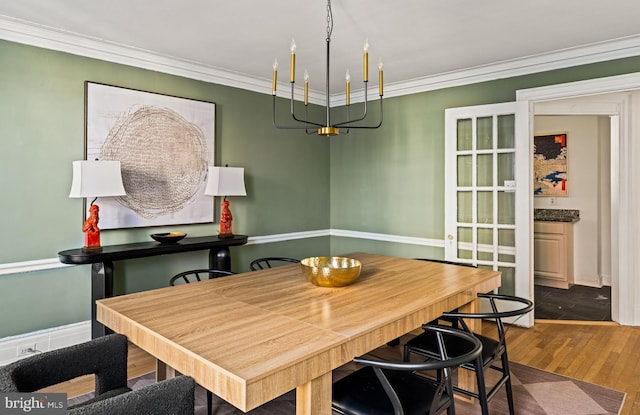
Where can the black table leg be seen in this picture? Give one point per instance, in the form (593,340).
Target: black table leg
(220,258)
(102,286)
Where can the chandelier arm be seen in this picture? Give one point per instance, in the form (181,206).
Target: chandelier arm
(346,131)
(290,127)
(369,127)
(293,115)
(306,123)
(364,112)
(306,116)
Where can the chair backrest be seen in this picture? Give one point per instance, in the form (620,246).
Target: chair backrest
(105,357)
(512,306)
(472,348)
(472,351)
(443,261)
(196,275)
(173,396)
(270,262)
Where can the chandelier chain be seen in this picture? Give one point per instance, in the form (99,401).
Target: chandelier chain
(329,21)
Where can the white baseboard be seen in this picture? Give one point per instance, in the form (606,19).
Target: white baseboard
(592,280)
(43,341)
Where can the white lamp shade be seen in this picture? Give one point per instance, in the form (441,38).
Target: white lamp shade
(96,178)
(225,181)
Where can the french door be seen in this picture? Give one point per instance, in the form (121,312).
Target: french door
(488,203)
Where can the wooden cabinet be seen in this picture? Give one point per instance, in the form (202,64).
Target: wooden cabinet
(553,254)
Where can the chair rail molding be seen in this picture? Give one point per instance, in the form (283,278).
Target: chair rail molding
(410,240)
(29,266)
(54,263)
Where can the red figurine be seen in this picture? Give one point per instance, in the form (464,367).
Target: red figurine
(91,230)
(225,220)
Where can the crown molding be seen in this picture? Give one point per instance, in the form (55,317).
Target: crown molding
(48,38)
(45,37)
(566,58)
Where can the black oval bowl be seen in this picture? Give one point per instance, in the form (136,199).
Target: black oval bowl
(168,237)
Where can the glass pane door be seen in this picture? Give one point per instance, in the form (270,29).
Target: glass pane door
(480,189)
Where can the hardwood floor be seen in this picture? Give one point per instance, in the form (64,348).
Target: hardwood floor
(600,353)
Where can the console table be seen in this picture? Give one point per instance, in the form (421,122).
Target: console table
(102,280)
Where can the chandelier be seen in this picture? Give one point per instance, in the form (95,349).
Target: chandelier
(327,128)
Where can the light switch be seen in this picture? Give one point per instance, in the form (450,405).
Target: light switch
(510,186)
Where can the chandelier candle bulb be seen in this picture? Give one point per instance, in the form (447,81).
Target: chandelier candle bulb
(275,76)
(366,60)
(293,61)
(347,77)
(306,87)
(380,77)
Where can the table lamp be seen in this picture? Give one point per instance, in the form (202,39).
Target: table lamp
(225,181)
(94,179)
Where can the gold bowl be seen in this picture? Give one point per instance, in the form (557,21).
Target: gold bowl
(325,271)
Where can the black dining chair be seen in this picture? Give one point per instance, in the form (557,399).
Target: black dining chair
(270,262)
(394,388)
(196,275)
(106,359)
(493,349)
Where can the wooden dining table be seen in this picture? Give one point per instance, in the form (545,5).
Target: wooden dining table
(254,336)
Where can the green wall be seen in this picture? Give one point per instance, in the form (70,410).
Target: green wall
(391,180)
(387,181)
(42,132)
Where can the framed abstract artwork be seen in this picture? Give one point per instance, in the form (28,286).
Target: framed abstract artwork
(164,144)
(550,164)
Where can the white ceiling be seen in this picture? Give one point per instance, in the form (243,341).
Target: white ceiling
(417,39)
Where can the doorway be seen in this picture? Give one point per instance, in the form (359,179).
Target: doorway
(613,97)
(588,140)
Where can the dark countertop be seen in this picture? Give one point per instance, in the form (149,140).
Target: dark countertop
(556,215)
